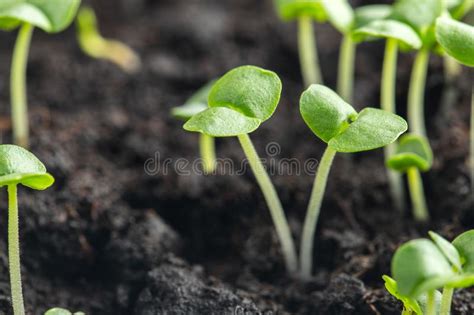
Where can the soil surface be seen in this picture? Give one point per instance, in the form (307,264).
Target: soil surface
(108,238)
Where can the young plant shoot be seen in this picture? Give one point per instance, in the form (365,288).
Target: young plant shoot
(96,46)
(239,103)
(413,156)
(420,267)
(396,34)
(18,166)
(52,16)
(196,104)
(344,130)
(61,311)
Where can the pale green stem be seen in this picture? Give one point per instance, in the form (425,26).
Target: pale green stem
(208,153)
(431,303)
(389,81)
(274,204)
(312,214)
(417,193)
(18,86)
(14,252)
(345,79)
(445,308)
(452,70)
(416,94)
(308,52)
(472,141)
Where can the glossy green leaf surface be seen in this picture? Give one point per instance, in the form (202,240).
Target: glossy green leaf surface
(369,13)
(412,151)
(457,39)
(464,243)
(195,104)
(19,166)
(448,250)
(293,9)
(340,14)
(51,16)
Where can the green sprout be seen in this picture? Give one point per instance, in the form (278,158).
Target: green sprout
(61,311)
(239,103)
(18,166)
(52,16)
(194,105)
(344,130)
(420,267)
(396,34)
(413,156)
(96,46)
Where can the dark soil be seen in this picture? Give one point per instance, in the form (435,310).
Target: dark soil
(110,239)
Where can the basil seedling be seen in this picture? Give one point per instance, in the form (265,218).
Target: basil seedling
(61,311)
(52,16)
(396,34)
(344,130)
(194,105)
(96,46)
(19,166)
(239,103)
(412,156)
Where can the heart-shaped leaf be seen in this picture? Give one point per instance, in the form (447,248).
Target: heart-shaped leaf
(293,9)
(464,243)
(51,16)
(420,14)
(369,13)
(19,166)
(412,151)
(340,14)
(448,249)
(457,39)
(195,104)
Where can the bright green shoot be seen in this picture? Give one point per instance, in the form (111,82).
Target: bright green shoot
(18,166)
(51,16)
(420,267)
(413,156)
(344,130)
(239,103)
(96,46)
(196,104)
(61,311)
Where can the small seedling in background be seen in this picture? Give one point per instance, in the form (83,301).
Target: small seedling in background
(413,156)
(61,311)
(457,39)
(52,16)
(96,46)
(344,130)
(396,34)
(239,103)
(196,104)
(420,267)
(18,166)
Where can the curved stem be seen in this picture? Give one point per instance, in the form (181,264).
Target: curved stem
(389,81)
(416,94)
(308,52)
(208,153)
(431,303)
(345,82)
(415,184)
(14,252)
(18,86)
(312,214)
(445,308)
(276,210)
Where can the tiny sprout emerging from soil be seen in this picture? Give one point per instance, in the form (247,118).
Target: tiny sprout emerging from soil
(196,104)
(19,166)
(420,267)
(344,130)
(413,156)
(61,311)
(239,103)
(52,16)
(96,46)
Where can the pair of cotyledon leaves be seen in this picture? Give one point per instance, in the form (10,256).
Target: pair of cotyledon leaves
(247,96)
(50,15)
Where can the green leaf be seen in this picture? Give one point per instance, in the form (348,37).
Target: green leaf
(418,267)
(457,39)
(340,14)
(195,104)
(222,122)
(409,304)
(250,90)
(448,249)
(293,9)
(61,311)
(373,128)
(325,113)
(19,166)
(389,29)
(412,151)
(464,243)
(420,14)
(51,16)
(369,13)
